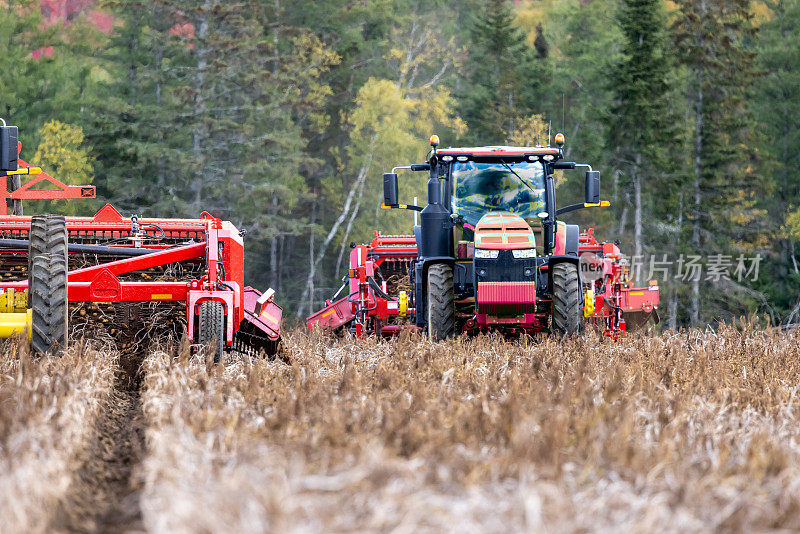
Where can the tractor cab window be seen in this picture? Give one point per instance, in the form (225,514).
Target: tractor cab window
(482,187)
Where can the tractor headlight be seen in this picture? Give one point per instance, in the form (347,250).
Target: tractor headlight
(484,254)
(524,253)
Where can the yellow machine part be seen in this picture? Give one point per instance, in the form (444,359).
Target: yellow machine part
(12,301)
(588,303)
(14,315)
(14,323)
(402,304)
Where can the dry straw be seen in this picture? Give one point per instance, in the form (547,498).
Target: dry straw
(686,431)
(48,417)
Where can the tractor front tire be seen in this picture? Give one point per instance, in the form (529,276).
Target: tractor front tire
(441,302)
(567,319)
(211,327)
(47,290)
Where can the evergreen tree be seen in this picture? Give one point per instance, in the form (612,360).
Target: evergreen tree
(585,43)
(640,122)
(777,110)
(502,76)
(714,40)
(140,146)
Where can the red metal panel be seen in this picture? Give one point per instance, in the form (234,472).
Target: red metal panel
(640,299)
(334,315)
(503,298)
(117,291)
(266,316)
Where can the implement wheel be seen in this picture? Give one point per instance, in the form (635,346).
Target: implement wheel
(48,235)
(47,291)
(441,307)
(211,327)
(567,317)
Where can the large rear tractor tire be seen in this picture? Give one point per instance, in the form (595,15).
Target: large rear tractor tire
(48,297)
(567,317)
(441,312)
(211,327)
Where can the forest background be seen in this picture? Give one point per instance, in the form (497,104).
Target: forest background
(281,116)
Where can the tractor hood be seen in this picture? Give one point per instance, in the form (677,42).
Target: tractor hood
(502,230)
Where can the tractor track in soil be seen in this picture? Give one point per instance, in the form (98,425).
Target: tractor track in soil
(104,494)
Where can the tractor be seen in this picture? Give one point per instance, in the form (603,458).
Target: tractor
(489,253)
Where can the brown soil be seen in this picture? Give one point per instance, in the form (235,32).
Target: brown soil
(104,493)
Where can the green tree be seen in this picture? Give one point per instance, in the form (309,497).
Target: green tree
(777,110)
(640,123)
(62,155)
(714,39)
(46,73)
(584,43)
(387,128)
(502,74)
(139,140)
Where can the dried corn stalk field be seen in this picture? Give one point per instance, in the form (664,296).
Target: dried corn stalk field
(683,432)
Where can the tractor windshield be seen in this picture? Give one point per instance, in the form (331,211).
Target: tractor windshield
(482,187)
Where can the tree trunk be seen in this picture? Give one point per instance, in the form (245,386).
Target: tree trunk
(282,262)
(353,216)
(637,208)
(694,307)
(273,242)
(16,183)
(672,310)
(623,219)
(314,262)
(159,60)
(312,265)
(198,132)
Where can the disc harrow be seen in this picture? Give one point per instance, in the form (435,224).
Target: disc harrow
(129,278)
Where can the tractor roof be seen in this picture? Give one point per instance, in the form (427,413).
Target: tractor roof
(499,151)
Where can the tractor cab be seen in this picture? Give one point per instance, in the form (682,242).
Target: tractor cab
(480,187)
(503,182)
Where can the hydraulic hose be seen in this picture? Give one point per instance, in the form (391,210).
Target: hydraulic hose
(23,244)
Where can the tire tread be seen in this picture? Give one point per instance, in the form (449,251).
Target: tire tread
(567,317)
(441,307)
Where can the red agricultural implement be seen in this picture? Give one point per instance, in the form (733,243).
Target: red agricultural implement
(377,270)
(490,253)
(612,304)
(130,276)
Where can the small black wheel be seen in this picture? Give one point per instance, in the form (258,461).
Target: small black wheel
(441,302)
(48,296)
(211,327)
(567,317)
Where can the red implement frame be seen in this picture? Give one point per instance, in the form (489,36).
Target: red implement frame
(215,243)
(368,311)
(27,193)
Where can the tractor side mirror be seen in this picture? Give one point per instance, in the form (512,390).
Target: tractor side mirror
(390,189)
(9,148)
(593,187)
